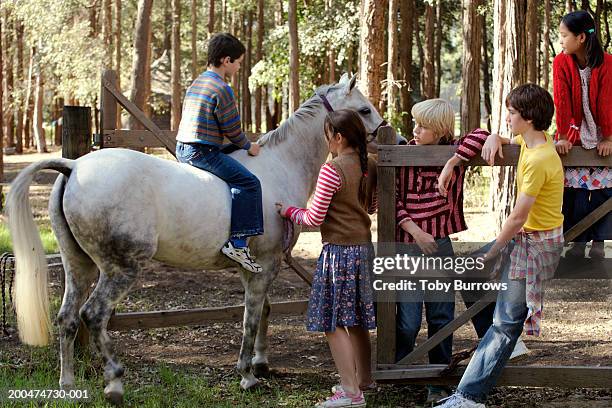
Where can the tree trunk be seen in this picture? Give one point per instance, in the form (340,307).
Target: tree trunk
(421,53)
(372,45)
(118,53)
(2,48)
(392,59)
(211,18)
(20,106)
(607,8)
(167,26)
(246,92)
(59,103)
(532,41)
(258,57)
(331,54)
(93,19)
(27,99)
(176,65)
(405,64)
(294,58)
(223,15)
(545,49)
(194,35)
(510,49)
(472,44)
(597,17)
(438,47)
(429,78)
(107,24)
(139,62)
(147,77)
(486,73)
(39,132)
(9,62)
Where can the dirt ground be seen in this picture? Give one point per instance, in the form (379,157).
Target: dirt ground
(577,327)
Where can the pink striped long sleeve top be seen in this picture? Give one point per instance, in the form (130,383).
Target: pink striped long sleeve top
(417,197)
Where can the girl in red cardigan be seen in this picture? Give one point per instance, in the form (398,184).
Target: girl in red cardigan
(582,82)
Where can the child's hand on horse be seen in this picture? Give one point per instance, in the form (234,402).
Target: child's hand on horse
(281,209)
(254,149)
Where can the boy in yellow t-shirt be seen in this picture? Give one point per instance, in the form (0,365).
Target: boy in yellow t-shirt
(535,224)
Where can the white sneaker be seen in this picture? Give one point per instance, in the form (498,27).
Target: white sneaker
(457,401)
(368,389)
(434,396)
(520,350)
(341,400)
(242,256)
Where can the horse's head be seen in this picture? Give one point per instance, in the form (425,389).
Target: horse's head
(345,95)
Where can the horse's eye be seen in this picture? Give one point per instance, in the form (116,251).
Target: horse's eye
(365,111)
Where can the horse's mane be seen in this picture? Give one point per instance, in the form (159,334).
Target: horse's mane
(300,117)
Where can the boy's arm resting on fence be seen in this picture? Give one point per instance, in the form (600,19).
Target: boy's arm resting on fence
(493,145)
(328,183)
(470,145)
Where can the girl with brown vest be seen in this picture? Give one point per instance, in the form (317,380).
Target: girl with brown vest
(341,302)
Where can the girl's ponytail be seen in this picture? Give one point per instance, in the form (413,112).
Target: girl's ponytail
(363,161)
(581,22)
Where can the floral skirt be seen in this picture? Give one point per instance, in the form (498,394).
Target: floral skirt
(341,293)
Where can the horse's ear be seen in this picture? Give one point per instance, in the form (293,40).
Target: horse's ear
(351,83)
(344,79)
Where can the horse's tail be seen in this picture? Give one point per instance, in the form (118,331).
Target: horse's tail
(31,298)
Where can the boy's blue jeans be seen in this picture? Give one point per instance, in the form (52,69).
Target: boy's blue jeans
(247,214)
(496,346)
(437,314)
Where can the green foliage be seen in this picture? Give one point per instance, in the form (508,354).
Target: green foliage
(318,31)
(70,57)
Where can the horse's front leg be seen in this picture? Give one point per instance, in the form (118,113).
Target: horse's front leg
(254,296)
(260,362)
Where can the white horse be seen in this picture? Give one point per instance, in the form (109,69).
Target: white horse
(114,210)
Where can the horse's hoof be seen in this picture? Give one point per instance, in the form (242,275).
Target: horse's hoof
(114,397)
(248,382)
(114,392)
(261,370)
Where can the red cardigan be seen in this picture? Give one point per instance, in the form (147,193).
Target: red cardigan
(568,96)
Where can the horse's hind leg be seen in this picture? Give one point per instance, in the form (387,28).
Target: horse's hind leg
(80,273)
(260,361)
(114,283)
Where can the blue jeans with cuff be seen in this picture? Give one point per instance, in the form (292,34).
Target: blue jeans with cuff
(496,346)
(247,212)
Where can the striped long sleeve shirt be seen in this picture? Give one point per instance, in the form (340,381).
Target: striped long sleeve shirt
(328,183)
(210,113)
(417,197)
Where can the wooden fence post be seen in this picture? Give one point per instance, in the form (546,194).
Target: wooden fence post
(76,142)
(108,104)
(76,132)
(385,308)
